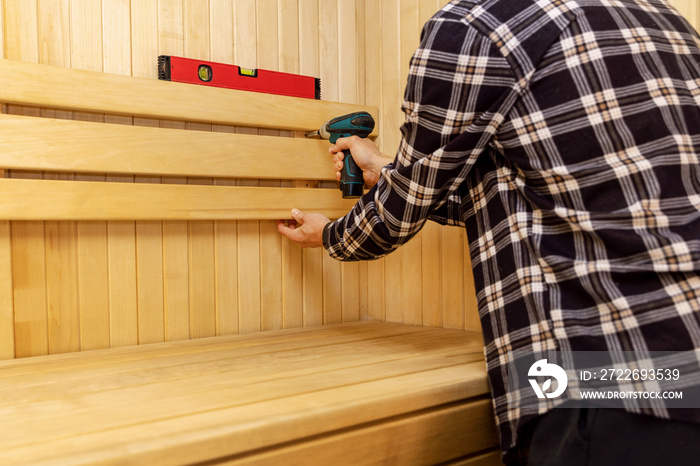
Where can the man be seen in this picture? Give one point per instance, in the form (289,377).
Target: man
(564,136)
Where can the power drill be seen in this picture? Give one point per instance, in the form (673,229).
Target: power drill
(353,124)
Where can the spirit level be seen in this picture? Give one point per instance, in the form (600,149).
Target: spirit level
(187,70)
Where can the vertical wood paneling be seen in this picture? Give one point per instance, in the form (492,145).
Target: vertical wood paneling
(7,330)
(412,270)
(202,311)
(376,304)
(176,245)
(249,287)
(391,120)
(309,64)
(145,36)
(29,283)
(93,275)
(348,92)
(225,232)
(121,236)
(61,237)
(66,286)
(272,306)
(292,263)
(330,77)
(20,36)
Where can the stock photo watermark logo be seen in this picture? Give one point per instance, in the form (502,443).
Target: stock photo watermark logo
(616,379)
(543,369)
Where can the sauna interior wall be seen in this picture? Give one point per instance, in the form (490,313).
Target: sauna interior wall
(70,286)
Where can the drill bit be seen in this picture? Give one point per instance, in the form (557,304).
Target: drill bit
(312,134)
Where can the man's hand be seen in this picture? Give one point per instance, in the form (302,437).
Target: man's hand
(366,155)
(305,229)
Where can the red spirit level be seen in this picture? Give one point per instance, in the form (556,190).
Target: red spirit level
(186,70)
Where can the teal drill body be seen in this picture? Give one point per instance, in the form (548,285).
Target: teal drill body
(358,124)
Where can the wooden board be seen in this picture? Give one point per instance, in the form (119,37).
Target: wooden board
(174,403)
(430,437)
(72,200)
(75,146)
(56,87)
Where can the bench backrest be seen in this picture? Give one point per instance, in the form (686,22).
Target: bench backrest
(47,144)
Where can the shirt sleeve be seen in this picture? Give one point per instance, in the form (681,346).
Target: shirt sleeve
(458,85)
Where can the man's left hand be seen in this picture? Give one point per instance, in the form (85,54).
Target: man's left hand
(305,229)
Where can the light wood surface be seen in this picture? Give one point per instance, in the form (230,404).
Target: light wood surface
(57,87)
(75,146)
(198,400)
(156,279)
(72,200)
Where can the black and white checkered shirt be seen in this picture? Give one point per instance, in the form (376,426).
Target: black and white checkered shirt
(564,135)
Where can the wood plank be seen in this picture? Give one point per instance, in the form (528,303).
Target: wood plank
(62,286)
(234,429)
(149,279)
(297,361)
(461,431)
(452,262)
(227,365)
(86,53)
(430,269)
(29,282)
(292,264)
(69,200)
(20,31)
(271,299)
(50,86)
(7,333)
(121,236)
(248,247)
(284,339)
(376,303)
(329,50)
(225,232)
(123,312)
(312,259)
(348,70)
(60,237)
(57,145)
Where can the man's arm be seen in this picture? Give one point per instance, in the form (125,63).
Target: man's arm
(455,98)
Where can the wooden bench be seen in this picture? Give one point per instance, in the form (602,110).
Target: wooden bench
(351,393)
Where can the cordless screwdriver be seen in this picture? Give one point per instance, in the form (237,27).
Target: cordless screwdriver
(353,124)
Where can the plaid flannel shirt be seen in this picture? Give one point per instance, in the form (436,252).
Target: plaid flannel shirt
(564,135)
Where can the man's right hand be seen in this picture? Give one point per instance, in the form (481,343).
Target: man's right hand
(366,155)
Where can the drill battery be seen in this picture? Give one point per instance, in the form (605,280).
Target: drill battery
(187,70)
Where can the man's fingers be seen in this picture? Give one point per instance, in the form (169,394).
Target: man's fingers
(290,231)
(298,216)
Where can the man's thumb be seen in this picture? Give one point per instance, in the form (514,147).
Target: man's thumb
(297,215)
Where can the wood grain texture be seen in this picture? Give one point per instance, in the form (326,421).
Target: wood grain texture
(200,400)
(156,274)
(51,86)
(74,146)
(69,200)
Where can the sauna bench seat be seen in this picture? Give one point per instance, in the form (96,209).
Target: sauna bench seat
(353,393)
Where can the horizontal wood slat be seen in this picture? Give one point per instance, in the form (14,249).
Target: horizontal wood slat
(57,87)
(22,199)
(29,143)
(457,430)
(178,403)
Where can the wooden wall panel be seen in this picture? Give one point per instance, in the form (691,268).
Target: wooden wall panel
(690,9)
(67,286)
